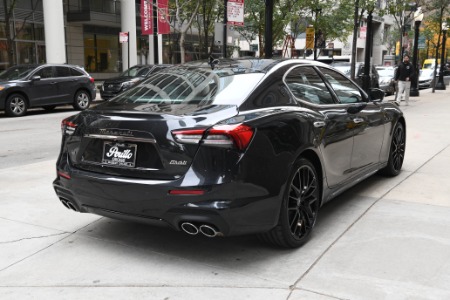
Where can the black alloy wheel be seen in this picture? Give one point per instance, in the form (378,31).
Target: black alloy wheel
(82,100)
(299,208)
(397,151)
(16,105)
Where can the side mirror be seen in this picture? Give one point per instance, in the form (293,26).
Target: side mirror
(35,78)
(376,95)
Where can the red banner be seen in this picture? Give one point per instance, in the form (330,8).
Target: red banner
(146,17)
(163,17)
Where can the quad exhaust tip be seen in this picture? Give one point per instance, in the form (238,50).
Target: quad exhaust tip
(206,230)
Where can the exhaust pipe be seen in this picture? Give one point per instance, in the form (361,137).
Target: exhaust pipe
(189,228)
(68,204)
(209,231)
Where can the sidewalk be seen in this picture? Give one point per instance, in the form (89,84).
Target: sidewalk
(387,238)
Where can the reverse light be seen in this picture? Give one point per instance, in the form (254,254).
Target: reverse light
(68,127)
(227,136)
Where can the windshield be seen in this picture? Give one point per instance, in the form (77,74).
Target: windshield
(17,72)
(185,85)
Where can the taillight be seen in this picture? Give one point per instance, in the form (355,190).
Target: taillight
(226,136)
(91,79)
(68,127)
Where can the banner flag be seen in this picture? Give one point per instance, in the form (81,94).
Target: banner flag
(163,17)
(146,17)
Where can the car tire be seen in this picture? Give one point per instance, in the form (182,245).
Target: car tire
(82,100)
(16,105)
(299,207)
(396,152)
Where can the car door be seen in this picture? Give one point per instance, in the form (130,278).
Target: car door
(66,84)
(332,123)
(43,91)
(368,122)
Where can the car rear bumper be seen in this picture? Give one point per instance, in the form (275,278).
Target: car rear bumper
(232,208)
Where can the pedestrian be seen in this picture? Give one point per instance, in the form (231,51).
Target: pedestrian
(405,72)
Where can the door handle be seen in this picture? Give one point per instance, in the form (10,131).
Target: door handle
(319,124)
(358,120)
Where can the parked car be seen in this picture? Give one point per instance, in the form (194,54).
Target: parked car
(114,86)
(428,77)
(26,86)
(229,147)
(359,72)
(386,79)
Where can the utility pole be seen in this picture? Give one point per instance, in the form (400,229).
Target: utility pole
(368,52)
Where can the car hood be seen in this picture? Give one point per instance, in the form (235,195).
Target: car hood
(122,79)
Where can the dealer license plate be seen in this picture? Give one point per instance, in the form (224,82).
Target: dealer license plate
(119,154)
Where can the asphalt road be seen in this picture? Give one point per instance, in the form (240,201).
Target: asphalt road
(387,238)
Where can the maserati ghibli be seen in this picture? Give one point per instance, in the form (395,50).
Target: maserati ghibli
(229,147)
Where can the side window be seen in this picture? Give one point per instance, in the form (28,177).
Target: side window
(346,90)
(46,72)
(75,72)
(306,84)
(62,72)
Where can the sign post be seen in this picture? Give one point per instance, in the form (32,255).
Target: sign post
(124,38)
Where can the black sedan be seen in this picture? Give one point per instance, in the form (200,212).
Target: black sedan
(116,85)
(46,86)
(230,147)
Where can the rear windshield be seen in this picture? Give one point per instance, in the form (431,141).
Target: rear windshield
(185,85)
(14,73)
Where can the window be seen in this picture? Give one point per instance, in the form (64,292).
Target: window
(75,72)
(62,72)
(346,91)
(306,84)
(46,72)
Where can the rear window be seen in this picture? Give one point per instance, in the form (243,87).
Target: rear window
(192,86)
(75,72)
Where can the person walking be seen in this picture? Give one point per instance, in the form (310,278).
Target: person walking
(403,76)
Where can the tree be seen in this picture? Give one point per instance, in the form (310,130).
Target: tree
(438,12)
(185,13)
(403,13)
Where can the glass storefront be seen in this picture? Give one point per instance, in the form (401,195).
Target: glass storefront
(101,52)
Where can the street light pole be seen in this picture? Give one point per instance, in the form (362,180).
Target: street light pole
(440,84)
(418,16)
